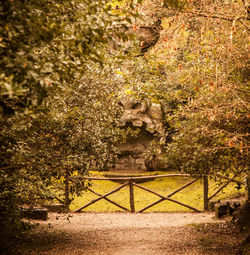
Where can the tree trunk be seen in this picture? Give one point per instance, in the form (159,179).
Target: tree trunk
(67,199)
(247,186)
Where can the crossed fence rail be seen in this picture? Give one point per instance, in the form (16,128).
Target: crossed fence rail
(132,181)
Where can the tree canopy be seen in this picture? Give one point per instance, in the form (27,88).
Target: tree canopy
(199,68)
(57,98)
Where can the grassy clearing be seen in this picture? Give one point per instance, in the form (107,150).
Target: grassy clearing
(192,195)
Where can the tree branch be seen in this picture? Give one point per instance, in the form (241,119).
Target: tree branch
(243,90)
(216,16)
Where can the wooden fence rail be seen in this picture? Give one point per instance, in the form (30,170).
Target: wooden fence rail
(131,182)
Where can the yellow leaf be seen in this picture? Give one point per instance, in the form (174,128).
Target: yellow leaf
(119,72)
(128,92)
(165,23)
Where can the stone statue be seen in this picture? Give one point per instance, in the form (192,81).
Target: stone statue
(148,118)
(139,113)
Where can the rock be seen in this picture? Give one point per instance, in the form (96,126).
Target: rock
(59,208)
(222,209)
(35,213)
(226,208)
(241,216)
(212,204)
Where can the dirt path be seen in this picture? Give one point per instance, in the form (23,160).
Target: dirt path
(122,234)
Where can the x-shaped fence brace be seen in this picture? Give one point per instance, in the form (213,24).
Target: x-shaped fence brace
(131,182)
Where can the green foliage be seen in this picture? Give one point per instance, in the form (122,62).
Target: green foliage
(202,61)
(213,123)
(78,134)
(177,4)
(56,108)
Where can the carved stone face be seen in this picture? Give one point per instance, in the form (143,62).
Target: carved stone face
(139,113)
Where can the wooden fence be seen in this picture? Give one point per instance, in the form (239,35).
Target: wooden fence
(132,181)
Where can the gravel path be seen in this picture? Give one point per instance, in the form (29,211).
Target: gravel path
(123,234)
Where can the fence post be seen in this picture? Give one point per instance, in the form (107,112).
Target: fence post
(131,193)
(205,192)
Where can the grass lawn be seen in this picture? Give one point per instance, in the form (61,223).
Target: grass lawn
(192,195)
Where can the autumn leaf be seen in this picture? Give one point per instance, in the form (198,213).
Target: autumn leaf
(241,147)
(165,39)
